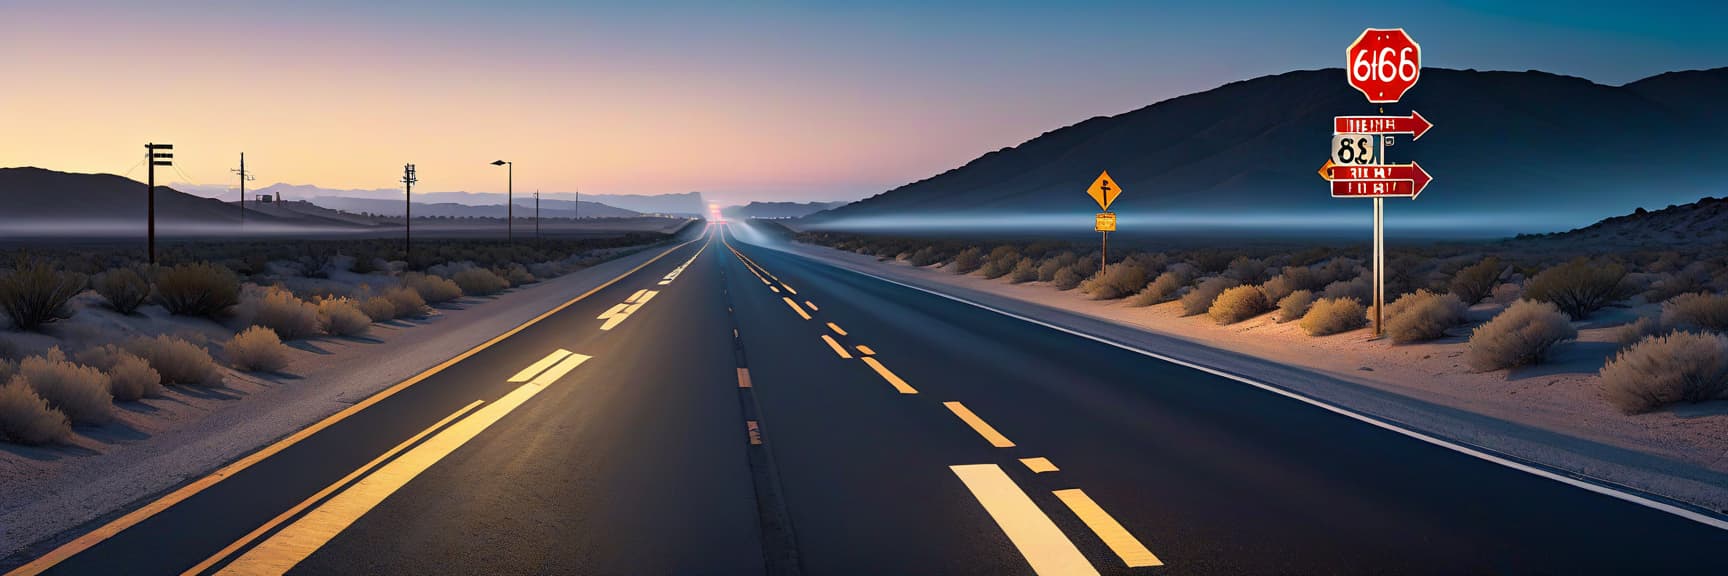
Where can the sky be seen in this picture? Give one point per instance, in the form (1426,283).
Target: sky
(788,101)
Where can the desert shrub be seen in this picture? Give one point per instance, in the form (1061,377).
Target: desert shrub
(177,361)
(1026,270)
(8,369)
(1246,270)
(1293,278)
(1662,370)
(1000,262)
(406,302)
(1066,278)
(341,317)
(1294,306)
(433,289)
(256,349)
(1360,289)
(278,309)
(1423,315)
(378,308)
(1474,282)
(197,289)
(35,294)
(1199,300)
(1050,266)
(1519,336)
(479,282)
(1697,312)
(926,256)
(81,392)
(1164,288)
(1507,293)
(968,260)
(1636,330)
(515,274)
(26,418)
(130,377)
(1117,281)
(1579,287)
(124,289)
(1333,315)
(1238,304)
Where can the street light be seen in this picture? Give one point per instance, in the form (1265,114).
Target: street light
(509,198)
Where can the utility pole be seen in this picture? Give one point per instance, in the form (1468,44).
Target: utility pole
(536,215)
(244,177)
(155,159)
(408,180)
(509,198)
(576,209)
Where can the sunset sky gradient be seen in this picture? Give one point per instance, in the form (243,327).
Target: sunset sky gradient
(741,101)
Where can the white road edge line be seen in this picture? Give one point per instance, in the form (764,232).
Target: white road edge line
(1437,441)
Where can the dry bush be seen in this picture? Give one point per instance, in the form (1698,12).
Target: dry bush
(1026,270)
(1636,330)
(1117,281)
(406,301)
(36,294)
(433,289)
(1050,266)
(378,308)
(1662,370)
(1519,336)
(479,282)
(1422,315)
(1164,288)
(1238,304)
(178,361)
(25,417)
(515,274)
(124,289)
(1328,316)
(1000,262)
(198,289)
(1696,312)
(1580,287)
(81,392)
(256,349)
(926,256)
(1199,300)
(341,317)
(130,377)
(1066,278)
(8,369)
(1246,270)
(1360,289)
(1294,306)
(1476,281)
(1507,293)
(278,309)
(1292,279)
(968,260)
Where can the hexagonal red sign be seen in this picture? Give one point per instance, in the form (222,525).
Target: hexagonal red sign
(1383,64)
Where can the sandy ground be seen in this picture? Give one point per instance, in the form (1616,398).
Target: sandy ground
(1552,414)
(158,443)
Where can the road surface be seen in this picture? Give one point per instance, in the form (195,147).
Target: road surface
(732,409)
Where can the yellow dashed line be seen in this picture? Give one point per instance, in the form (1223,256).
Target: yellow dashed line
(743,377)
(812,305)
(978,425)
(1044,546)
(1038,465)
(892,379)
(836,329)
(1114,535)
(795,308)
(865,350)
(838,349)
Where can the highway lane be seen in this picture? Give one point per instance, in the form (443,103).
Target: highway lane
(1208,474)
(622,463)
(734,409)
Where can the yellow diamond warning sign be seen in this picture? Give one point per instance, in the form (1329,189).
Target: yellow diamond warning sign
(1104,190)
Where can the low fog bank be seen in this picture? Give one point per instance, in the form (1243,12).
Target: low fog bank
(1243,225)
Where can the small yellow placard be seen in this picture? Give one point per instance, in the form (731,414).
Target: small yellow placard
(1104,190)
(1106,222)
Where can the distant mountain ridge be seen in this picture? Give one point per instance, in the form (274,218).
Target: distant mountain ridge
(1562,150)
(549,208)
(778,209)
(690,203)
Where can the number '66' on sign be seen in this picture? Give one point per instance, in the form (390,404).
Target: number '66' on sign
(1383,64)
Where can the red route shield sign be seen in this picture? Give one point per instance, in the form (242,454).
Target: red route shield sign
(1383,64)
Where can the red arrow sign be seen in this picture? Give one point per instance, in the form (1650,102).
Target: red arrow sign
(1383,181)
(1414,124)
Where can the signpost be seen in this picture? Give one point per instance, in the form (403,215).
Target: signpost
(1382,64)
(1104,191)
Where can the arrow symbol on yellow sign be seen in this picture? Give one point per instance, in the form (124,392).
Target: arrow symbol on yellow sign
(1326,170)
(1104,191)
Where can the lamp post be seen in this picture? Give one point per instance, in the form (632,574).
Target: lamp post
(509,198)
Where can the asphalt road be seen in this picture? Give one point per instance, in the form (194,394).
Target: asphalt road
(732,409)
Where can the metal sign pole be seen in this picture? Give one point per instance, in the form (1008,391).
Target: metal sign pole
(1379,263)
